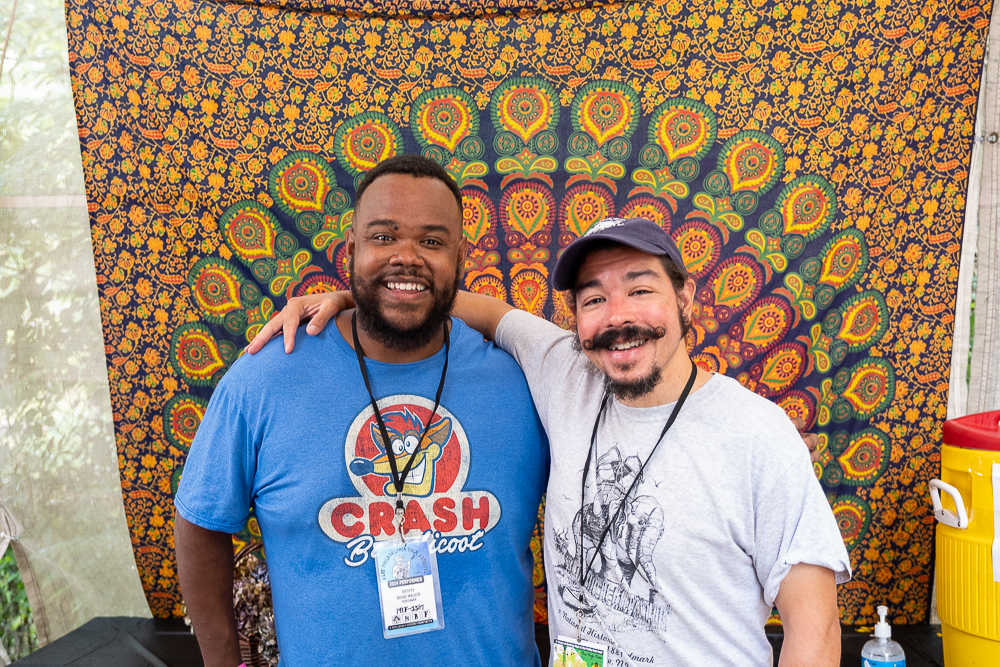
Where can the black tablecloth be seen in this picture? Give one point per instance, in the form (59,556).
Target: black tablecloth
(144,642)
(121,642)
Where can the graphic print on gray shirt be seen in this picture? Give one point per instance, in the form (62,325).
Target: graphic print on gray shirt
(689,570)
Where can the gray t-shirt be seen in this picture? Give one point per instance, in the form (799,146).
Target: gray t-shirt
(688,573)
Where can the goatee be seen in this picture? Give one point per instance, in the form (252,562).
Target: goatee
(368,303)
(635,389)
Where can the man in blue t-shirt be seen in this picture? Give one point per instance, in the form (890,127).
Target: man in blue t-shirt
(455,445)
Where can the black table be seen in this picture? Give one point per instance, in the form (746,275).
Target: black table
(121,642)
(921,644)
(144,642)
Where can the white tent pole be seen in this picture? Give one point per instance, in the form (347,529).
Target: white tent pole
(984,381)
(958,394)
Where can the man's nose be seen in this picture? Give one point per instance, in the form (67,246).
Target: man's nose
(407,253)
(621,310)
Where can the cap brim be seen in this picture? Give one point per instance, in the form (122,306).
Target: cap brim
(564,275)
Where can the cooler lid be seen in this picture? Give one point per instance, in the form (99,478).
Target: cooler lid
(978,431)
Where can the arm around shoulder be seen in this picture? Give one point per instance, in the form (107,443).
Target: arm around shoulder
(807,603)
(205,569)
(482,313)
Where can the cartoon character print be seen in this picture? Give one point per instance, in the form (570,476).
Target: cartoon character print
(405,429)
(436,501)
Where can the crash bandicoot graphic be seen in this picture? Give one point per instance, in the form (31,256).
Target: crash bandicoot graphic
(405,429)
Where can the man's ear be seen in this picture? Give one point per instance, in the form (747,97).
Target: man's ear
(349,240)
(685,296)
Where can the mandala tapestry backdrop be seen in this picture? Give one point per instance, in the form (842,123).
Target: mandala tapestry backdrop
(810,160)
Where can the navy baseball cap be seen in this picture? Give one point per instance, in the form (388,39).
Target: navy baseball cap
(638,233)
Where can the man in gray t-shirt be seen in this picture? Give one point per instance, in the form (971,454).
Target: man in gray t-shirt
(680,505)
(726,507)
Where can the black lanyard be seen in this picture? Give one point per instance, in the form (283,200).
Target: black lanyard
(397,477)
(586,469)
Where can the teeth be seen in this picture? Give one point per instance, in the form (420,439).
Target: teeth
(627,345)
(407,287)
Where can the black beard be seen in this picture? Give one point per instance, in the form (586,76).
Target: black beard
(370,317)
(635,389)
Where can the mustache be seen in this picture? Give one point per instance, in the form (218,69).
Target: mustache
(610,337)
(389,274)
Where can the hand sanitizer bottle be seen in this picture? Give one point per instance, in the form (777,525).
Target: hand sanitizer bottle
(882,651)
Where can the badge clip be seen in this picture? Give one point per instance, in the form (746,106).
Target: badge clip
(400,515)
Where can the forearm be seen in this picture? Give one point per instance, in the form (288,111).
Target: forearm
(820,647)
(205,570)
(482,313)
(807,603)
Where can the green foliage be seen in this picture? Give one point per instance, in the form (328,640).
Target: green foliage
(17,628)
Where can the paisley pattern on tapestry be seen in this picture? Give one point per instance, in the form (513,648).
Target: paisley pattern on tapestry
(810,160)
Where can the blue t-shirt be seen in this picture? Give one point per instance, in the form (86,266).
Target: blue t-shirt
(295,437)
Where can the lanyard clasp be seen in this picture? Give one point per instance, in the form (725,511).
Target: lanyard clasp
(400,515)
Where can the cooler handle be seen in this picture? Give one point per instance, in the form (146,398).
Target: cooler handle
(947,517)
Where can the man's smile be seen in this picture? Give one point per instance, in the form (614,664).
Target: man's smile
(406,286)
(627,345)
(623,355)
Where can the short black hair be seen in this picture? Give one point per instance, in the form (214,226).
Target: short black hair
(412,165)
(677,277)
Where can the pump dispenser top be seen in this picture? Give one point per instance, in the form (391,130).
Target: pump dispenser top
(883,629)
(882,651)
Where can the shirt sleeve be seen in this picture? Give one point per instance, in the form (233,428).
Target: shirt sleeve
(216,486)
(544,352)
(795,524)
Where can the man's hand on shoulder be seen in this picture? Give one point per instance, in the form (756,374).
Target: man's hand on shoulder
(810,439)
(317,309)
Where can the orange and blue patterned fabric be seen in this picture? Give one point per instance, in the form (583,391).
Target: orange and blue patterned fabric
(810,159)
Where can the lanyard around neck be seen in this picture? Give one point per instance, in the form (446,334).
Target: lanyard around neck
(586,469)
(398,477)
